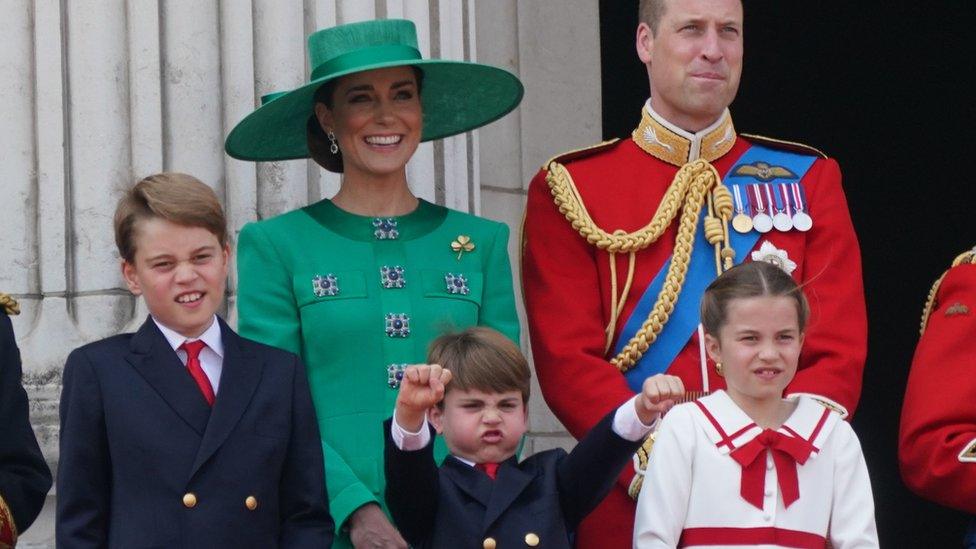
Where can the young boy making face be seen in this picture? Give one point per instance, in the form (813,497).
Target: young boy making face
(475,394)
(181,271)
(185,434)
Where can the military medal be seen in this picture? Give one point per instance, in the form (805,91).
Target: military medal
(783,221)
(761,221)
(801,219)
(741,222)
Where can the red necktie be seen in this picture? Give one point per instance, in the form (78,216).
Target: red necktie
(490,469)
(787,452)
(193,349)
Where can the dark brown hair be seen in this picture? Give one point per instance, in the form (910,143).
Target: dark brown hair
(752,279)
(318,142)
(482,358)
(175,197)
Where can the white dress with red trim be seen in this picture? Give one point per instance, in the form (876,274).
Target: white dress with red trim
(716,479)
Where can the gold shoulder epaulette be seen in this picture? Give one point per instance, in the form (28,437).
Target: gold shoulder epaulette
(9,304)
(969,256)
(781,144)
(567,156)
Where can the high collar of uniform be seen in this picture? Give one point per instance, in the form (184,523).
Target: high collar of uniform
(673,145)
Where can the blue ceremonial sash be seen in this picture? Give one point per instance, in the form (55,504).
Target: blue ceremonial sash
(701,271)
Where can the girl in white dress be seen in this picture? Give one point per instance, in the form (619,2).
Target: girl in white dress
(744,466)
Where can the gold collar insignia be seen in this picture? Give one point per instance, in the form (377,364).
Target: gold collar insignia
(957,309)
(673,145)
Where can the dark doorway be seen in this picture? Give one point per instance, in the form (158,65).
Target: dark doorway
(881,87)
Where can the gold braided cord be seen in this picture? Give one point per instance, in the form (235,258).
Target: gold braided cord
(969,256)
(688,191)
(9,304)
(618,300)
(567,199)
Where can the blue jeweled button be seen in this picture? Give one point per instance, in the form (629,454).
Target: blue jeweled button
(385,228)
(392,277)
(326,285)
(397,324)
(457,284)
(394,375)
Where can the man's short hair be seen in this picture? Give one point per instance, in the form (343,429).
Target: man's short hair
(483,359)
(651,12)
(176,197)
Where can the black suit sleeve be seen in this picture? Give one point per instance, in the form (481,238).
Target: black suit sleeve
(588,473)
(24,475)
(412,484)
(84,468)
(305,517)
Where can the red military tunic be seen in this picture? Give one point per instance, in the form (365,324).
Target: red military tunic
(937,441)
(567,284)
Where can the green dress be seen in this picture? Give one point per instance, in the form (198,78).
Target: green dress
(359,297)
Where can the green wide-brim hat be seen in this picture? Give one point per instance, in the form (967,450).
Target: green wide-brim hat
(456,96)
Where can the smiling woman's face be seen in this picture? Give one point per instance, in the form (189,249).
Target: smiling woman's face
(377,120)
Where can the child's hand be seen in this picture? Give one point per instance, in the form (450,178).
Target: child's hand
(422,386)
(657,396)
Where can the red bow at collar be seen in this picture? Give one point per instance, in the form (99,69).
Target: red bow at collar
(787,452)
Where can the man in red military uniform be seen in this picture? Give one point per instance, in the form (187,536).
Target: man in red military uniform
(937,441)
(621,239)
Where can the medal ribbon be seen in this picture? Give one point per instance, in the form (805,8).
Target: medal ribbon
(739,208)
(760,203)
(768,189)
(798,197)
(787,451)
(784,192)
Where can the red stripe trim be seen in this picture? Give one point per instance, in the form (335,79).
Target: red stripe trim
(742,431)
(751,536)
(721,432)
(726,439)
(820,424)
(793,433)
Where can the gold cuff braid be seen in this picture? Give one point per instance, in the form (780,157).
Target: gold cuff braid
(969,256)
(7,521)
(641,466)
(9,304)
(694,184)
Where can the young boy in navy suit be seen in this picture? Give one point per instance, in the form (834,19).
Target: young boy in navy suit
(474,392)
(185,434)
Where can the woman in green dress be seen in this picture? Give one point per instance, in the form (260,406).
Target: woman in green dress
(359,285)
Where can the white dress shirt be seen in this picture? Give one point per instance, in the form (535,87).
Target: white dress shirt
(211,356)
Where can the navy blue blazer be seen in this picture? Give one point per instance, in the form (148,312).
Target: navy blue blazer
(24,475)
(145,462)
(538,502)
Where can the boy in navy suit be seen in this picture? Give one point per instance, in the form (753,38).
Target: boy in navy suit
(474,392)
(185,434)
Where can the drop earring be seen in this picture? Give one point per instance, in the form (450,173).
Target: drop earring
(333,146)
(718,369)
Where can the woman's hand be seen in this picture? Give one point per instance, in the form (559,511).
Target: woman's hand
(422,386)
(657,396)
(370,529)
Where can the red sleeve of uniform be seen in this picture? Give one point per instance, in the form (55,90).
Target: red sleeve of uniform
(565,313)
(938,419)
(835,345)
